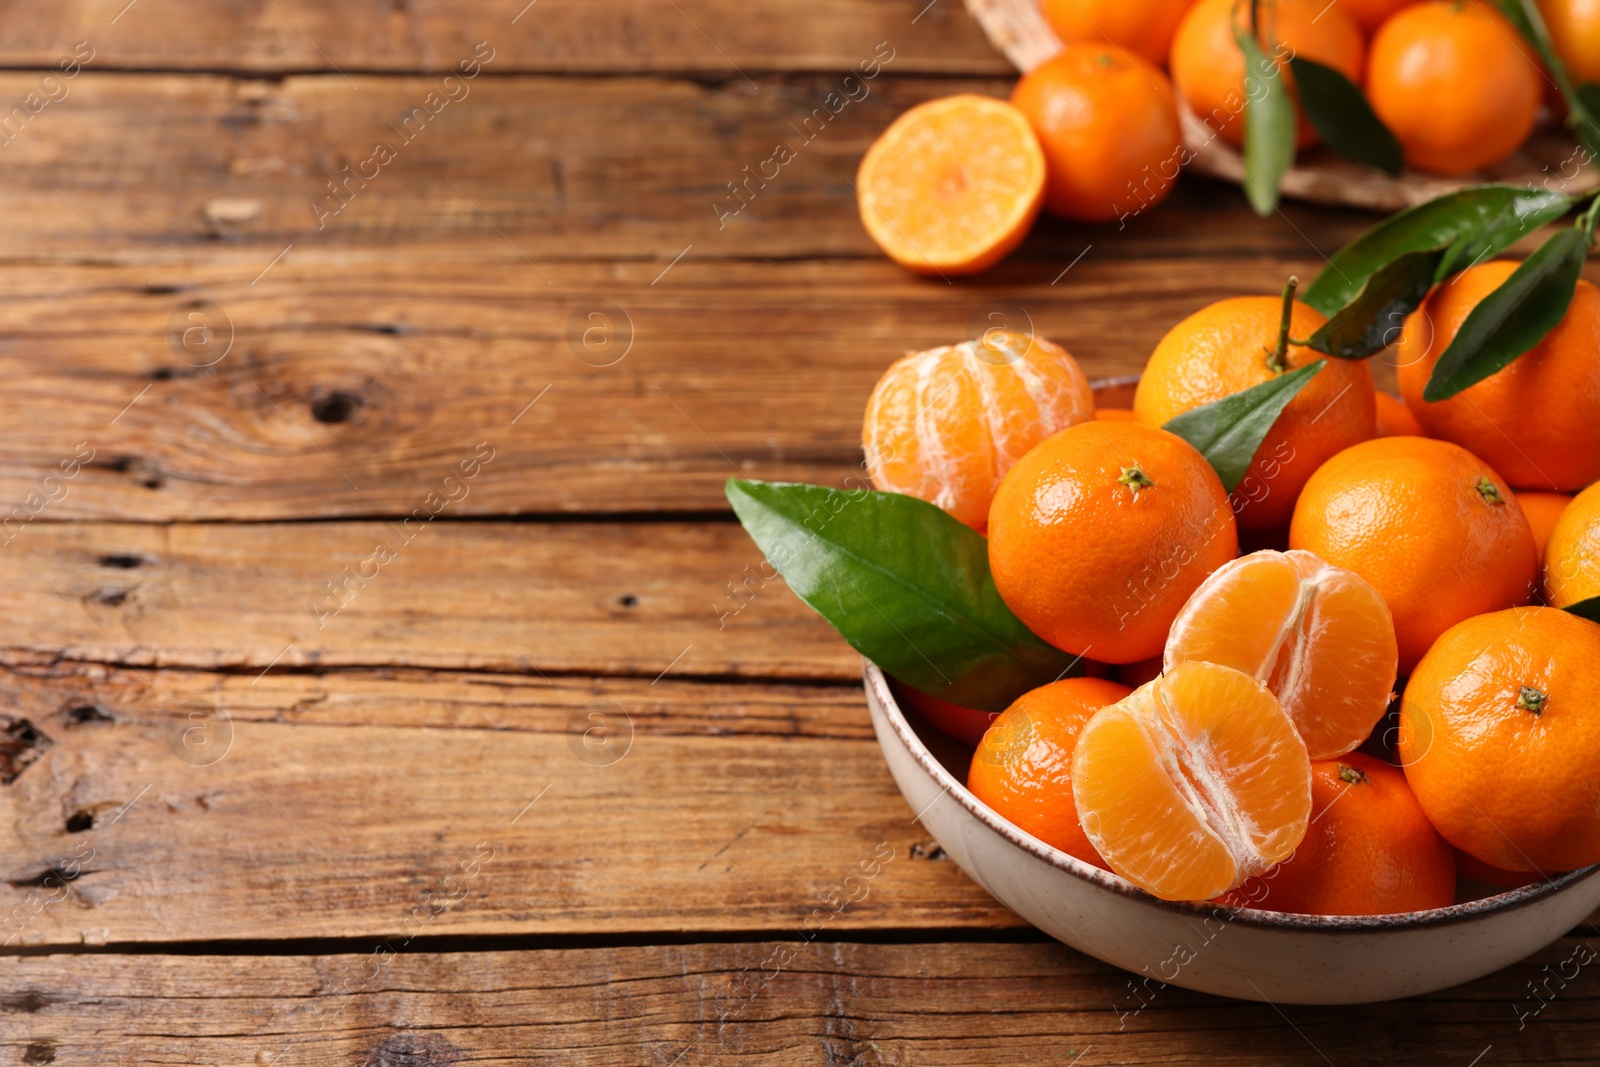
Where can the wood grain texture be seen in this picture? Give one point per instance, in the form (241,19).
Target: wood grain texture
(355,387)
(207,807)
(713,38)
(827,1004)
(155,172)
(633,598)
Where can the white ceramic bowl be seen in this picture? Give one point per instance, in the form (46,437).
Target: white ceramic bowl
(1253,955)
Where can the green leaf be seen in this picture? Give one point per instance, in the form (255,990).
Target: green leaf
(1228,431)
(1338,109)
(1372,321)
(1480,221)
(1513,318)
(907,585)
(1269,127)
(1587,609)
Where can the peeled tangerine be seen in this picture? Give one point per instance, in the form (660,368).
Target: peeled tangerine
(945,425)
(1193,783)
(1319,636)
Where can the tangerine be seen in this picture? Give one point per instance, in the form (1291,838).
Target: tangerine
(1370,14)
(1395,419)
(1320,637)
(1143,27)
(1499,738)
(945,425)
(1193,783)
(1542,510)
(1109,129)
(1115,414)
(1099,535)
(953,720)
(1572,556)
(1574,27)
(1453,85)
(1537,419)
(1232,345)
(1023,766)
(953,185)
(1369,849)
(1208,66)
(1432,526)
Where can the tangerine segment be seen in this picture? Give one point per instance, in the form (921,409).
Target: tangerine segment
(952,185)
(1193,783)
(945,425)
(1319,636)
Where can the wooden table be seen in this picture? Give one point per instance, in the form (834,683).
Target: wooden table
(385,681)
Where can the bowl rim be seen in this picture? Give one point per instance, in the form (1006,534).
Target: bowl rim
(1510,900)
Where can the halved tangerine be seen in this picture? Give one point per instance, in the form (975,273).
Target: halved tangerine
(1319,636)
(1193,783)
(952,185)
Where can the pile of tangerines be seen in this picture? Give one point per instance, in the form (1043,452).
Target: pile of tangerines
(1237,733)
(1093,134)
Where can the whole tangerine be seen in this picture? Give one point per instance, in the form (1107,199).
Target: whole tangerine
(1142,27)
(1208,66)
(1572,555)
(1453,85)
(1109,129)
(1431,525)
(946,424)
(1574,27)
(1537,419)
(1230,346)
(1369,850)
(1499,738)
(1098,536)
(1023,766)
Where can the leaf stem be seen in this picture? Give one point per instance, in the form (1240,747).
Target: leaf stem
(1278,361)
(1586,221)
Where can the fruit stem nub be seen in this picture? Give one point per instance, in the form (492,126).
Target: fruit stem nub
(1489,491)
(1135,479)
(1531,699)
(1278,359)
(1351,774)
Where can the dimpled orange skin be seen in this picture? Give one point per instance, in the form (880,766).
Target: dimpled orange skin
(1223,349)
(1023,766)
(1574,27)
(1109,129)
(1536,420)
(1407,514)
(1368,851)
(1543,510)
(1452,84)
(1143,27)
(1208,67)
(1572,555)
(1513,786)
(1094,565)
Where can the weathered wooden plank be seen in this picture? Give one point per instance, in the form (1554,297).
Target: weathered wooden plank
(772,1003)
(165,169)
(199,807)
(353,387)
(606,598)
(714,38)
